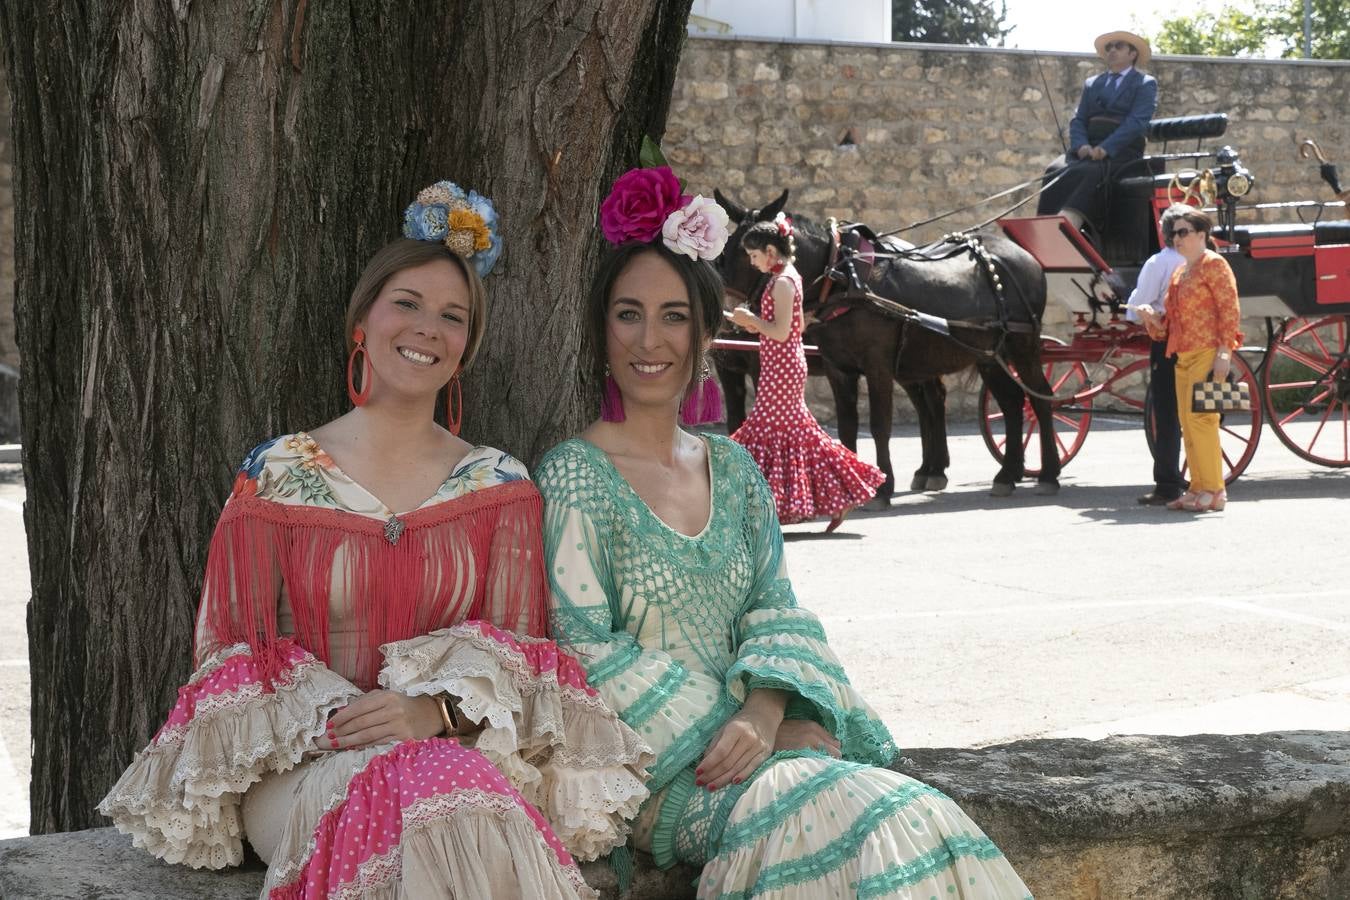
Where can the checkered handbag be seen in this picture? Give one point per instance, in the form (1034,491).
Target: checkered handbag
(1220,396)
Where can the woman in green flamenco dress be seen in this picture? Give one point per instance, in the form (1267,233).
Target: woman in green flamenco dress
(669,584)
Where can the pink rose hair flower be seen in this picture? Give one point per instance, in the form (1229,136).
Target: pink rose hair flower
(698,230)
(638,205)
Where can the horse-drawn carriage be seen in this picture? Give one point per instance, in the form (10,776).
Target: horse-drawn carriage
(887,310)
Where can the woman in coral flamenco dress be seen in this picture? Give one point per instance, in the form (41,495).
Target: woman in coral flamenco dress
(810,473)
(376,709)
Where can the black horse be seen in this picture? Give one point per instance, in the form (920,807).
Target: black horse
(861,338)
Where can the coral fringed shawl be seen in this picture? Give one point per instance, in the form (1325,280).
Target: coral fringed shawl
(474,557)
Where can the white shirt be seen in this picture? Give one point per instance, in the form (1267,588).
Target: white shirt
(1154,277)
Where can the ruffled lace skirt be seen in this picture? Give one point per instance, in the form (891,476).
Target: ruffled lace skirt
(419,819)
(809,826)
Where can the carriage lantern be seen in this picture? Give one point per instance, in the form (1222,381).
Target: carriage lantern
(1234,181)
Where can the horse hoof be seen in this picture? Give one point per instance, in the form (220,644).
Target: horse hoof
(1002,489)
(936,483)
(1047,488)
(919,483)
(876,504)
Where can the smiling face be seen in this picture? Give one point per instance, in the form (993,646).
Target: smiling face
(417,328)
(649,333)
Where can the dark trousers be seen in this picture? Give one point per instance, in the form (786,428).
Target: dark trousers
(1162,411)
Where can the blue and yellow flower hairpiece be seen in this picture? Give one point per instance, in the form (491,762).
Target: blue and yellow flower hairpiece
(466,222)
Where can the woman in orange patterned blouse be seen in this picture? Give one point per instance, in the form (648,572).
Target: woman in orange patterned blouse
(1202,332)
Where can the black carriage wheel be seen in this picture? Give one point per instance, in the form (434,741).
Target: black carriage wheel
(1307,388)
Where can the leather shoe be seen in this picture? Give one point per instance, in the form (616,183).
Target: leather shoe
(1153,498)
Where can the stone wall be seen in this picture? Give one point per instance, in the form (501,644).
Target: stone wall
(939,127)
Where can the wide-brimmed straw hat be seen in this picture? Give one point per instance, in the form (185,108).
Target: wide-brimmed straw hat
(1134,40)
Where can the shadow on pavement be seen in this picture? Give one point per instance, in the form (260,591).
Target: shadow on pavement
(1112,504)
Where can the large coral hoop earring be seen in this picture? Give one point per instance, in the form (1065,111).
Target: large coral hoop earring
(454,404)
(360,397)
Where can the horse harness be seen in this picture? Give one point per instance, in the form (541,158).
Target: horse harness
(853,248)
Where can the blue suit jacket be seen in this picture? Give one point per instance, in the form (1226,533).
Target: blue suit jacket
(1133,103)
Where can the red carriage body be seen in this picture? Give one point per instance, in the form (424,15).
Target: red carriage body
(1296,275)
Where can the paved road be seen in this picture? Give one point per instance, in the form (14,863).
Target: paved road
(968,620)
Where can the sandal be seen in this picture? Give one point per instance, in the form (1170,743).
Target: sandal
(1202,502)
(1218,503)
(1185,501)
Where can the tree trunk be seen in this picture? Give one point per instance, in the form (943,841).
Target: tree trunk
(197,186)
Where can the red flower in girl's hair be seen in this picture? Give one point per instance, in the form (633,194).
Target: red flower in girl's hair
(638,204)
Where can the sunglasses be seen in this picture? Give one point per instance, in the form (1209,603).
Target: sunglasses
(1181,232)
(1116,45)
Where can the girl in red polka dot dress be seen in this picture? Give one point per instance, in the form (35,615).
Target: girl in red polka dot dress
(810,473)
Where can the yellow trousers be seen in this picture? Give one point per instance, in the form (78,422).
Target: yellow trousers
(1199,431)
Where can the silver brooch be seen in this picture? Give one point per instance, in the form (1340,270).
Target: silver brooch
(393,529)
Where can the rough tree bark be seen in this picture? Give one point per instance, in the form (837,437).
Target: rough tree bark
(197,186)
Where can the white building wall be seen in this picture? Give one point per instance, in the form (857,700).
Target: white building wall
(825,20)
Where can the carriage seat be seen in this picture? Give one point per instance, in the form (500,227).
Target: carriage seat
(1180,128)
(1332,233)
(1322,233)
(1245,235)
(1141,178)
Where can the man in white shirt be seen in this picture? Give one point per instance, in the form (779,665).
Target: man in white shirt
(1147,304)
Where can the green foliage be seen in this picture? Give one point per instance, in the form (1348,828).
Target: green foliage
(1268,28)
(650,156)
(968,22)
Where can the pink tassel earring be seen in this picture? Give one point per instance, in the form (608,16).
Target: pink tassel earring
(703,403)
(611,401)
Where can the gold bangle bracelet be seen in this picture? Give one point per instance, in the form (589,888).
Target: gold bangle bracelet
(448,718)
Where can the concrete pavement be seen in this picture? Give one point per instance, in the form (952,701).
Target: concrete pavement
(968,620)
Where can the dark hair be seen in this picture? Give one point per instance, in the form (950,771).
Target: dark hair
(1197,219)
(766,234)
(701,282)
(405,253)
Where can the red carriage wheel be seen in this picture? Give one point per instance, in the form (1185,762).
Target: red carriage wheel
(1124,389)
(1307,388)
(1073,417)
(1239,432)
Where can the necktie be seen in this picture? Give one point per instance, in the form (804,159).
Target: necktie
(1112,83)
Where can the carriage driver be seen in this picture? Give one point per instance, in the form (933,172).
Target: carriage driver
(1106,133)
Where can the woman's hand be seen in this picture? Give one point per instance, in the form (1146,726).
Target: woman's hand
(802,734)
(743,317)
(745,741)
(1222,363)
(380,717)
(1154,324)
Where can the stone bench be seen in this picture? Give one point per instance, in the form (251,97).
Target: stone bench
(1162,818)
